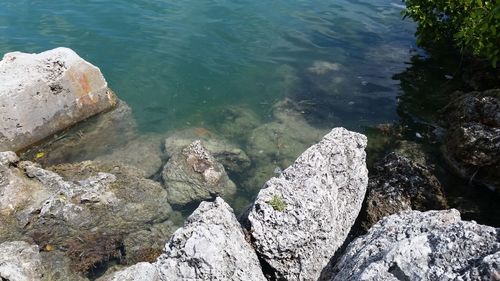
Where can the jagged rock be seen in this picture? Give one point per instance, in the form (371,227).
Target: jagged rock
(210,246)
(87,140)
(399,184)
(87,207)
(194,175)
(143,153)
(229,155)
(142,271)
(20,261)
(58,89)
(434,245)
(303,216)
(274,146)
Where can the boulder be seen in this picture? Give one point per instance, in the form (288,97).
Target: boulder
(229,155)
(194,175)
(20,261)
(303,216)
(472,145)
(413,245)
(400,184)
(84,208)
(210,246)
(237,122)
(58,89)
(142,271)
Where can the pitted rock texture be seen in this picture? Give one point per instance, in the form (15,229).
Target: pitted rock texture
(210,246)
(56,87)
(87,208)
(142,271)
(195,175)
(303,216)
(20,261)
(413,245)
(400,184)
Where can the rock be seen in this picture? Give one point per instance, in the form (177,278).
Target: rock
(142,271)
(20,261)
(194,175)
(278,143)
(58,267)
(87,140)
(303,216)
(399,184)
(237,123)
(472,145)
(86,208)
(143,153)
(210,246)
(229,155)
(433,245)
(57,88)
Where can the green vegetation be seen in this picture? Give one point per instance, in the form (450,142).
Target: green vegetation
(277,203)
(473,26)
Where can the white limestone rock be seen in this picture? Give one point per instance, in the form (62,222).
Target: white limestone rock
(20,261)
(43,93)
(303,216)
(210,246)
(413,245)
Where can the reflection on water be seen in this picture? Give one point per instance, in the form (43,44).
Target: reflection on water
(174,62)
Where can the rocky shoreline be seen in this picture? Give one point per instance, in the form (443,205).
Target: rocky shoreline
(90,198)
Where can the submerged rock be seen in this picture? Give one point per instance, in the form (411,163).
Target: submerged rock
(20,261)
(229,155)
(435,245)
(472,144)
(278,143)
(58,89)
(303,216)
(238,122)
(210,246)
(143,153)
(194,175)
(399,184)
(87,140)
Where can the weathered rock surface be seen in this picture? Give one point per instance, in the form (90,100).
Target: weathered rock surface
(435,245)
(210,246)
(142,271)
(303,216)
(85,207)
(20,261)
(229,155)
(195,175)
(399,184)
(56,87)
(472,142)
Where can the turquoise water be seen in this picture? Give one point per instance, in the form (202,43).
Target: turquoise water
(180,61)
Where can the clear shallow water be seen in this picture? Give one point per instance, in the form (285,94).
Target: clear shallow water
(177,61)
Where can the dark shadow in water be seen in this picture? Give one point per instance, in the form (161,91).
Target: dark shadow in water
(427,86)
